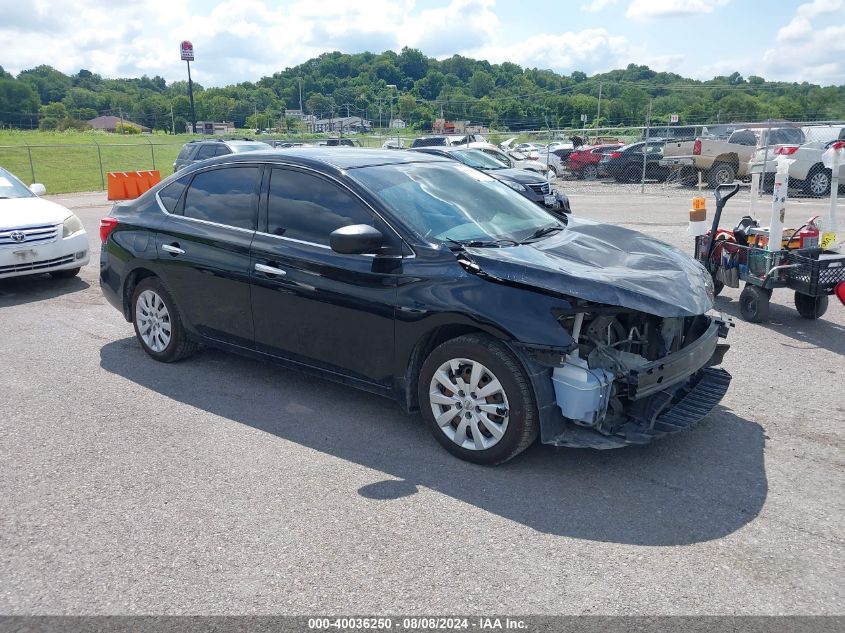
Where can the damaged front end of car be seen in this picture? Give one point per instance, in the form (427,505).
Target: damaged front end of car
(643,347)
(632,377)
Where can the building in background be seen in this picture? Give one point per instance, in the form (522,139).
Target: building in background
(340,125)
(210,128)
(111,123)
(397,124)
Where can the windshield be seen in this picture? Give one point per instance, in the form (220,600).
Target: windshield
(249,147)
(476,158)
(11,187)
(454,203)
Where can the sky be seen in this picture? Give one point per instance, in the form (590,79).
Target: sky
(243,40)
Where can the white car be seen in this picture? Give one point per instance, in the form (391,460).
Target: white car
(36,235)
(807,172)
(515,160)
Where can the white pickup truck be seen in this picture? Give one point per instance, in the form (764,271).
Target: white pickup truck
(723,161)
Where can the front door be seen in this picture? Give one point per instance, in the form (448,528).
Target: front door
(309,303)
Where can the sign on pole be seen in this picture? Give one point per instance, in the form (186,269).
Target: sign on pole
(187,50)
(673,118)
(584,118)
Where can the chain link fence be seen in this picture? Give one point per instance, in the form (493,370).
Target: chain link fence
(590,161)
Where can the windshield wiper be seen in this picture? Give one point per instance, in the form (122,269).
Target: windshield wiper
(482,243)
(543,231)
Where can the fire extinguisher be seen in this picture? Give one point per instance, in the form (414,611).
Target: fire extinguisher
(808,236)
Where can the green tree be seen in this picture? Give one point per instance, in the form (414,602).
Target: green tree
(481,84)
(18,103)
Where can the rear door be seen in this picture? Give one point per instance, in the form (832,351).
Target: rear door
(203,251)
(309,303)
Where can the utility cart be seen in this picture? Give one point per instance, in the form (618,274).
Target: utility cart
(743,255)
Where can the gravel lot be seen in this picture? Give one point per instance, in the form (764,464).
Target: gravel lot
(224,485)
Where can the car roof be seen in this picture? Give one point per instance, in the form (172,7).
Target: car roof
(345,158)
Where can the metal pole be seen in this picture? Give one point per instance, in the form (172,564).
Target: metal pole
(100,162)
(152,153)
(191,97)
(598,110)
(31,166)
(645,146)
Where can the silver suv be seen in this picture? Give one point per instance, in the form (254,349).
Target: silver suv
(195,151)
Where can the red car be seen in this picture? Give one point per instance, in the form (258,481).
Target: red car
(584,161)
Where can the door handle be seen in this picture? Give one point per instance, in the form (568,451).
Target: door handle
(269,270)
(173,249)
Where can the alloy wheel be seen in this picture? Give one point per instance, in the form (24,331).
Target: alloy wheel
(153,320)
(819,183)
(469,404)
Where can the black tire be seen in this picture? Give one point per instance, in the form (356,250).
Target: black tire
(522,420)
(720,174)
(179,346)
(810,307)
(817,183)
(590,172)
(754,304)
(67,273)
(718,285)
(632,173)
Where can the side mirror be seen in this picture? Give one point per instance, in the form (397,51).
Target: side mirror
(356,239)
(38,189)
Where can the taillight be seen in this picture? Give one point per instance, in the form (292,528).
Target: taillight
(107,225)
(696,147)
(786,150)
(615,154)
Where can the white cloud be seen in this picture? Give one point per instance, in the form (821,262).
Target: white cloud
(594,6)
(800,26)
(590,50)
(657,9)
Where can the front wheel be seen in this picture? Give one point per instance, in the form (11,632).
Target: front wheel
(477,400)
(158,324)
(810,307)
(754,304)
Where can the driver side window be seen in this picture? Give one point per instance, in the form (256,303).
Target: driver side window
(308,208)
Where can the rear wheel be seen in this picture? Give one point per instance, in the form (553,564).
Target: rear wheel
(720,174)
(67,273)
(817,183)
(158,324)
(590,172)
(477,400)
(754,304)
(633,173)
(810,307)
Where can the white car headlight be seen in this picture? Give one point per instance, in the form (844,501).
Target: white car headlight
(72,225)
(514,185)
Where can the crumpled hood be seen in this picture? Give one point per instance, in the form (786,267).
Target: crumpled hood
(606,264)
(23,212)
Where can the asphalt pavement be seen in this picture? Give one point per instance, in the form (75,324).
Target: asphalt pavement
(222,485)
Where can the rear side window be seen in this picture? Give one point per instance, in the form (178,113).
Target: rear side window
(222,150)
(185,152)
(307,208)
(225,196)
(206,151)
(172,194)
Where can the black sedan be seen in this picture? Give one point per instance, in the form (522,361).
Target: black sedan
(417,278)
(626,163)
(526,182)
